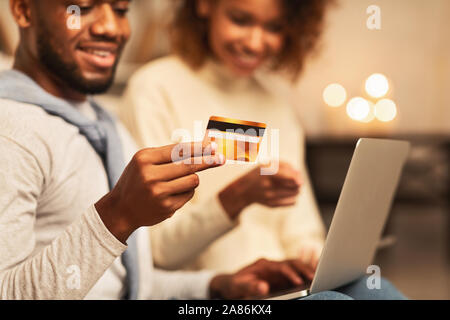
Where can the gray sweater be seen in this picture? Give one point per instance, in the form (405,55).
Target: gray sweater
(53,244)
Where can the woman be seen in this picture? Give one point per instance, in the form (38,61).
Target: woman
(222,48)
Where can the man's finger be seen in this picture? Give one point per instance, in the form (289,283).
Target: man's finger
(180,152)
(181,199)
(177,186)
(170,171)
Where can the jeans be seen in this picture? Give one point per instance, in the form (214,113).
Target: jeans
(358,291)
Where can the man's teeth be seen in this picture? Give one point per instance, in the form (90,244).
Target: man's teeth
(248,60)
(100,53)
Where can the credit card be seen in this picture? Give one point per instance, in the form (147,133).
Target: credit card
(237,140)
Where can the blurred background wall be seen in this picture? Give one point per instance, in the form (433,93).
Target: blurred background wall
(412,50)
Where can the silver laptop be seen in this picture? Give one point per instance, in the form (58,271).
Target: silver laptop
(360,216)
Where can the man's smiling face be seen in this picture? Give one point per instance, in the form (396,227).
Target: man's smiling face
(84,59)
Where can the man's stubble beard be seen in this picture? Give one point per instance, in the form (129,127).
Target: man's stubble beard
(67,72)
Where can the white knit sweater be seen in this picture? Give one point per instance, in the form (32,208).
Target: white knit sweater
(167,95)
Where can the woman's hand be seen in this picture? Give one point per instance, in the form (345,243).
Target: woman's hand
(260,279)
(277,190)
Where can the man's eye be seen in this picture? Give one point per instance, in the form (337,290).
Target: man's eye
(85,9)
(122,11)
(241,21)
(275,28)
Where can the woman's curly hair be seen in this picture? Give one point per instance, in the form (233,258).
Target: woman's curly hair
(304,21)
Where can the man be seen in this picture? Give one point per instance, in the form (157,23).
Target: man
(60,153)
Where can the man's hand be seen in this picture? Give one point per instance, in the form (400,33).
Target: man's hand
(153,187)
(279,190)
(260,279)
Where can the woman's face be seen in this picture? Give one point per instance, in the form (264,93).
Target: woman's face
(244,34)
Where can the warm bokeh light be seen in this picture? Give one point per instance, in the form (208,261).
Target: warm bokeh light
(385,110)
(334,95)
(371,115)
(358,108)
(377,85)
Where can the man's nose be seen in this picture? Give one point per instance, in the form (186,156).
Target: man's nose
(255,42)
(106,25)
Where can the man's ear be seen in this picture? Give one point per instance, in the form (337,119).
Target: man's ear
(204,8)
(21,12)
